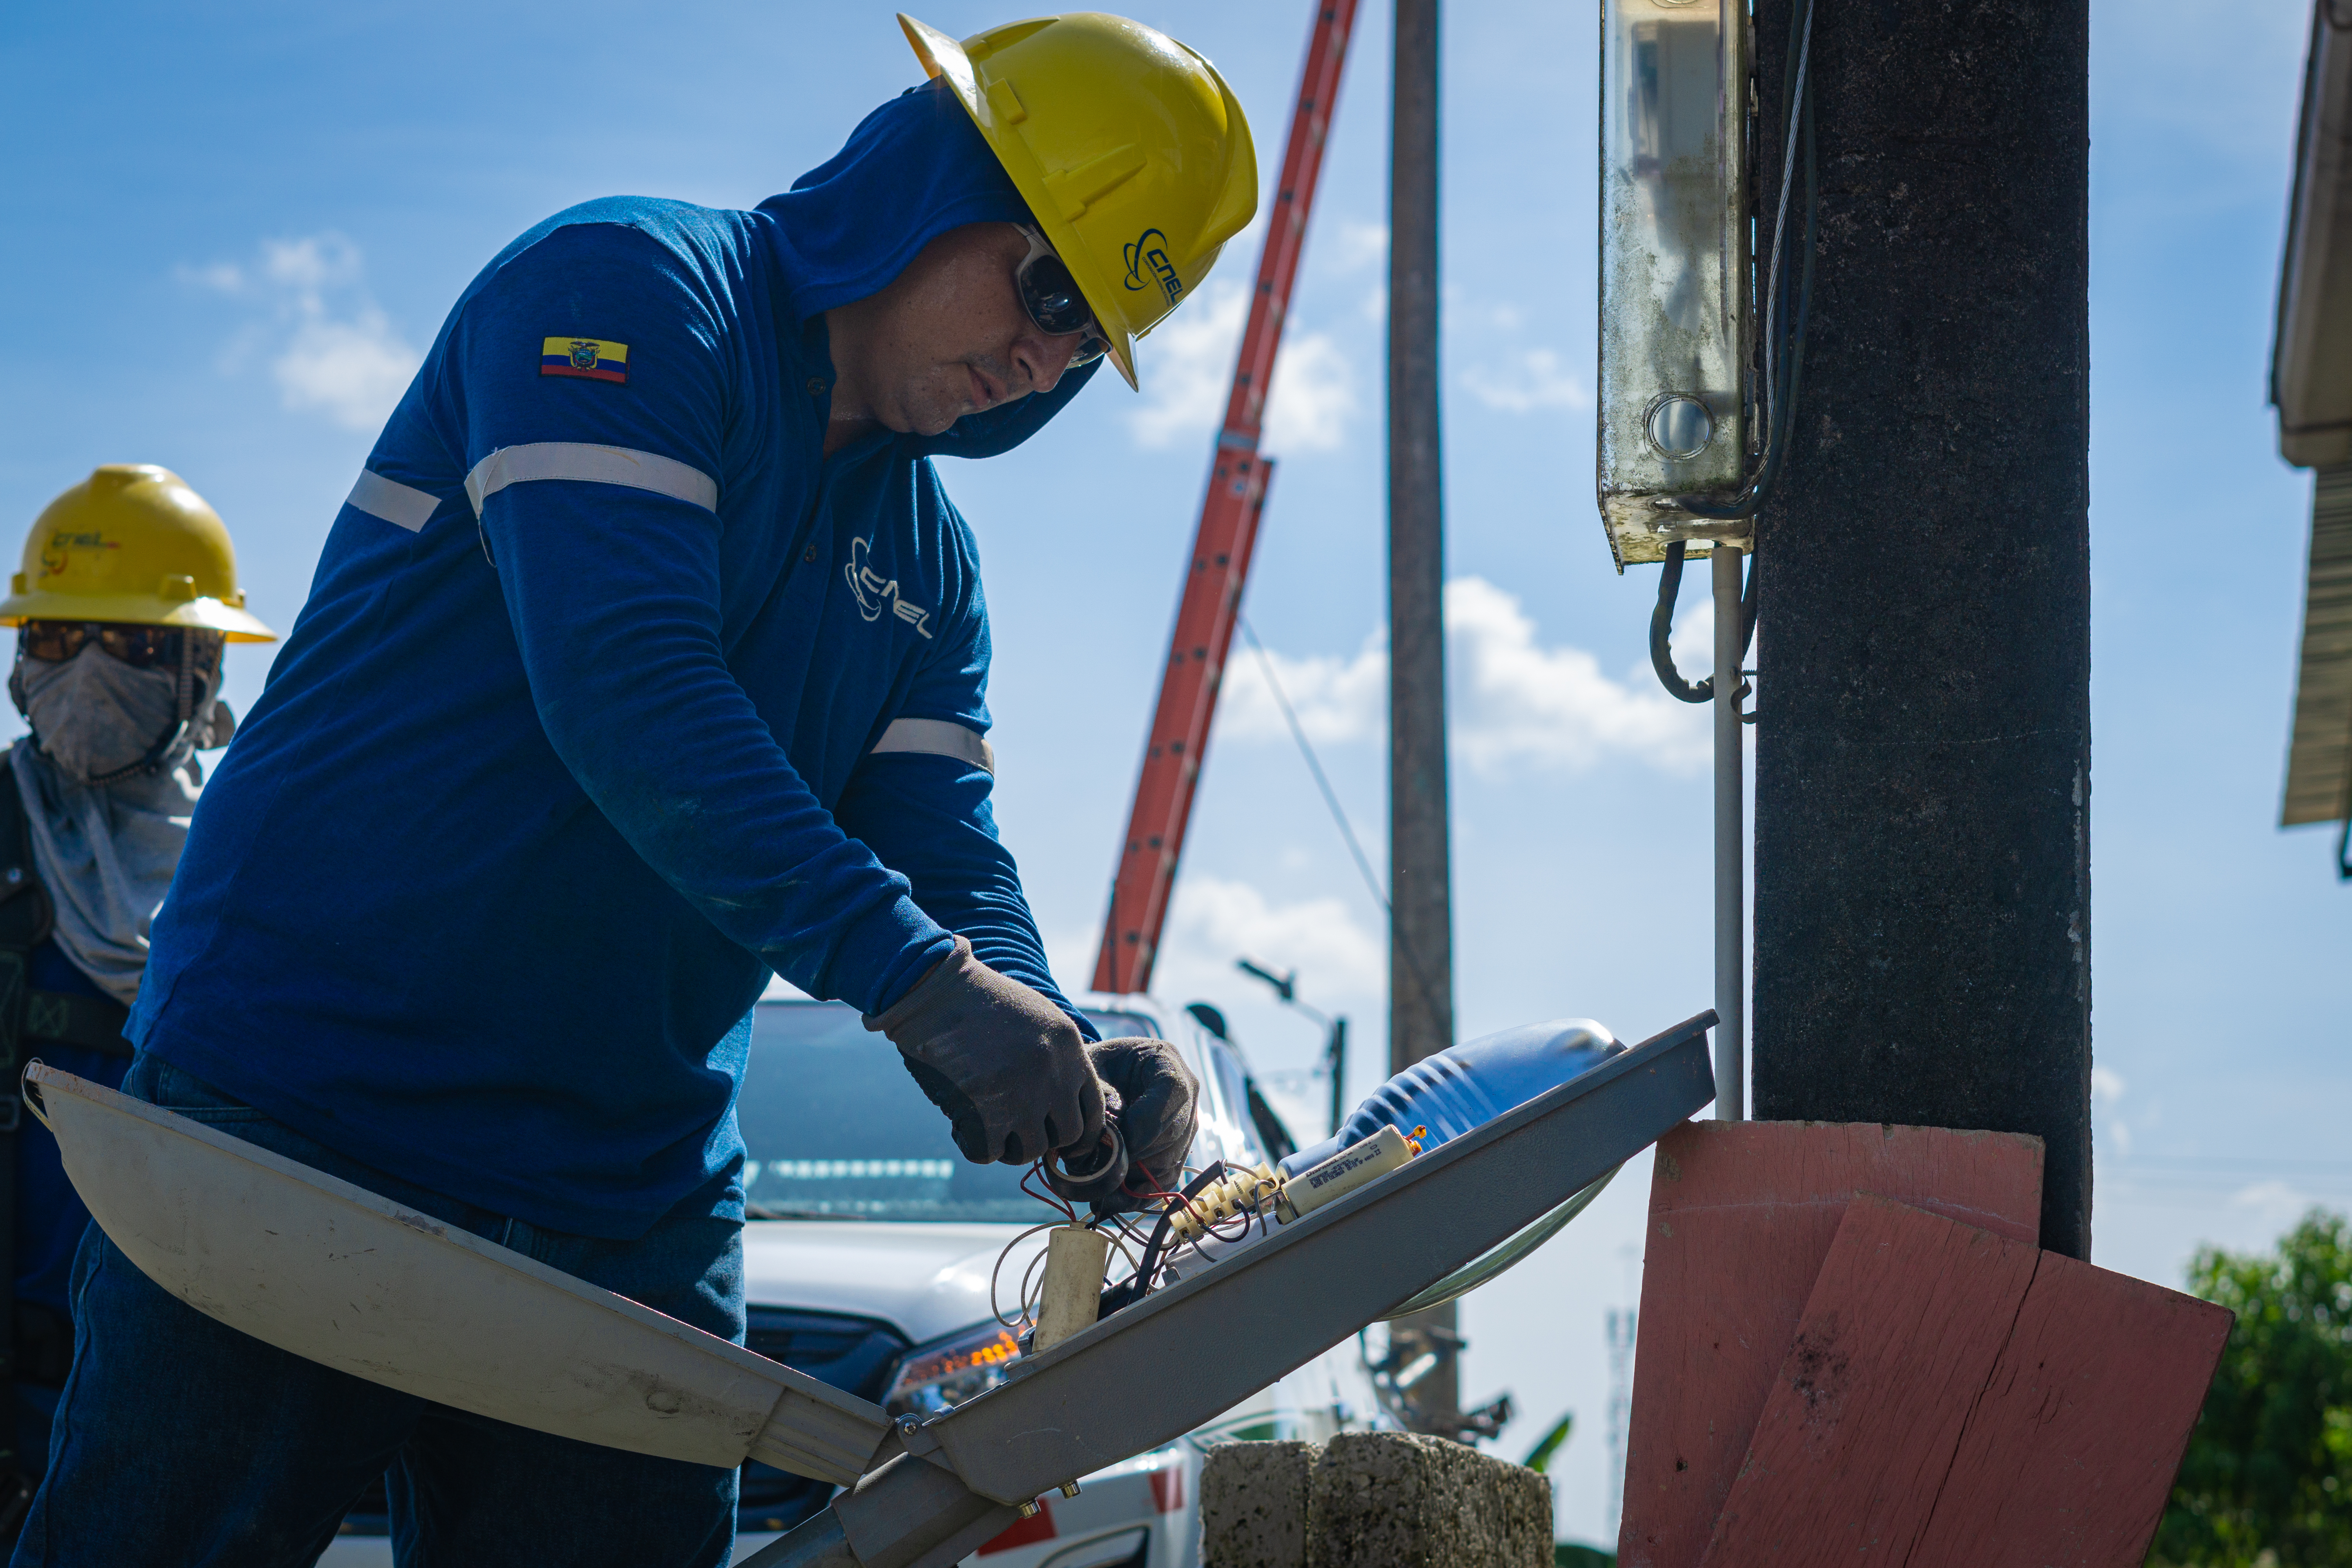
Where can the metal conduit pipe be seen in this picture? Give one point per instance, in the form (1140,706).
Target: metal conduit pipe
(1730,869)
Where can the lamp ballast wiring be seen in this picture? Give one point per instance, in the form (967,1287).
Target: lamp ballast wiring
(1218,1211)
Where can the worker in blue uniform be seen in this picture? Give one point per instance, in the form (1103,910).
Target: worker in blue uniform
(646,658)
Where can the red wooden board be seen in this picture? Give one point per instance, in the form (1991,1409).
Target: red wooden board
(1905,1323)
(1741,1215)
(2070,1453)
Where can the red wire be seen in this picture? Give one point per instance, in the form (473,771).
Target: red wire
(1048,1196)
(1207,1225)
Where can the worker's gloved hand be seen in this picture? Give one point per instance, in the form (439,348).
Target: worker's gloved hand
(1156,1100)
(1007,1067)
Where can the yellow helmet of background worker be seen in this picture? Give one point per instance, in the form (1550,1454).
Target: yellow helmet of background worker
(1130,149)
(132,543)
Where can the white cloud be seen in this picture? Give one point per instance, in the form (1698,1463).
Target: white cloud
(1521,702)
(1694,636)
(310,264)
(1314,396)
(354,370)
(1187,371)
(1211,922)
(1526,381)
(1186,367)
(1514,700)
(2106,1090)
(331,349)
(1336,699)
(1361,244)
(220,277)
(2278,1203)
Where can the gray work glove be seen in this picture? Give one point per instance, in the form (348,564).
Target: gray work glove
(1155,1100)
(1006,1065)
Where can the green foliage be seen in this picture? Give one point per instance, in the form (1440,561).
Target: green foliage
(1538,1458)
(1565,1555)
(2268,1475)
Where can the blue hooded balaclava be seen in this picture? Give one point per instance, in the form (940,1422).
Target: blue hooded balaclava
(913,169)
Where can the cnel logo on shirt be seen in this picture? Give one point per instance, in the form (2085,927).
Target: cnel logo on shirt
(875,594)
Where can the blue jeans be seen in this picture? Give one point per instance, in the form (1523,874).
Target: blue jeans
(180,1441)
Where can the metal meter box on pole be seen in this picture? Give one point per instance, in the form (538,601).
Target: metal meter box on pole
(1676,414)
(1675,388)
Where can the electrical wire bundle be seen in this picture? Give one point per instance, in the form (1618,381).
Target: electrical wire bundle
(1784,359)
(1146,1253)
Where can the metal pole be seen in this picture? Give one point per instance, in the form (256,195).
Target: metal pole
(1730,848)
(1421,923)
(1421,955)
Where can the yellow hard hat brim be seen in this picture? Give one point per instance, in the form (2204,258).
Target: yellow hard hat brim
(943,57)
(135,609)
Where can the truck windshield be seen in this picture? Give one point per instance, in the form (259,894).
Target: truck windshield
(836,1129)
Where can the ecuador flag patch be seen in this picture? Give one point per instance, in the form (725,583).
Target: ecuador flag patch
(597,359)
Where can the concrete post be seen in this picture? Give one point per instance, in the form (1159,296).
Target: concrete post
(1922,942)
(1421,921)
(1371,1499)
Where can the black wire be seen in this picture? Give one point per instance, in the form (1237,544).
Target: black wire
(1791,376)
(1347,830)
(1141,1281)
(1790,368)
(1662,627)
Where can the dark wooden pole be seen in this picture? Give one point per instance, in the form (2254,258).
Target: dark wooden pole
(1922,782)
(1421,923)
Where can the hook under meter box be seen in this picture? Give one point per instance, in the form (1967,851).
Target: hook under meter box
(1674,287)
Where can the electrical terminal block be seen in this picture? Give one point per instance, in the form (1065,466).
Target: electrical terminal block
(1246,1190)
(1254,1190)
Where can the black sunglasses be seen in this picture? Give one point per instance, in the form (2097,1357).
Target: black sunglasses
(1050,297)
(141,648)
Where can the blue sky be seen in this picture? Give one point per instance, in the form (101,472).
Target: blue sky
(238,225)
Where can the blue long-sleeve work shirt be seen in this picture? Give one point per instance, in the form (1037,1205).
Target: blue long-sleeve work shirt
(612,694)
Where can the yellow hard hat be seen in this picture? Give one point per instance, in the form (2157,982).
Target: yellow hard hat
(132,543)
(1130,149)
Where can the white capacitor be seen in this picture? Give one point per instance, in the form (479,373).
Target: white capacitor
(1346,1171)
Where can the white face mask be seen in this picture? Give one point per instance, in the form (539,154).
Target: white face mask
(96,715)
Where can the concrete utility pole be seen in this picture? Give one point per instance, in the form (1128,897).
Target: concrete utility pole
(1421,920)
(1923,898)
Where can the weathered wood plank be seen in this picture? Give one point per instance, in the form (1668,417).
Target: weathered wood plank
(2069,1455)
(1904,1328)
(1741,1216)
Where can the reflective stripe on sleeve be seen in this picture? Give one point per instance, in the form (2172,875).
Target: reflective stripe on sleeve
(938,738)
(397,504)
(595,465)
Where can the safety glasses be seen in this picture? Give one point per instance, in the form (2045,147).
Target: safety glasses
(1050,297)
(141,648)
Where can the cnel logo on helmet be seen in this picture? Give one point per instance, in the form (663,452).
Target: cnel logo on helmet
(55,559)
(1151,251)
